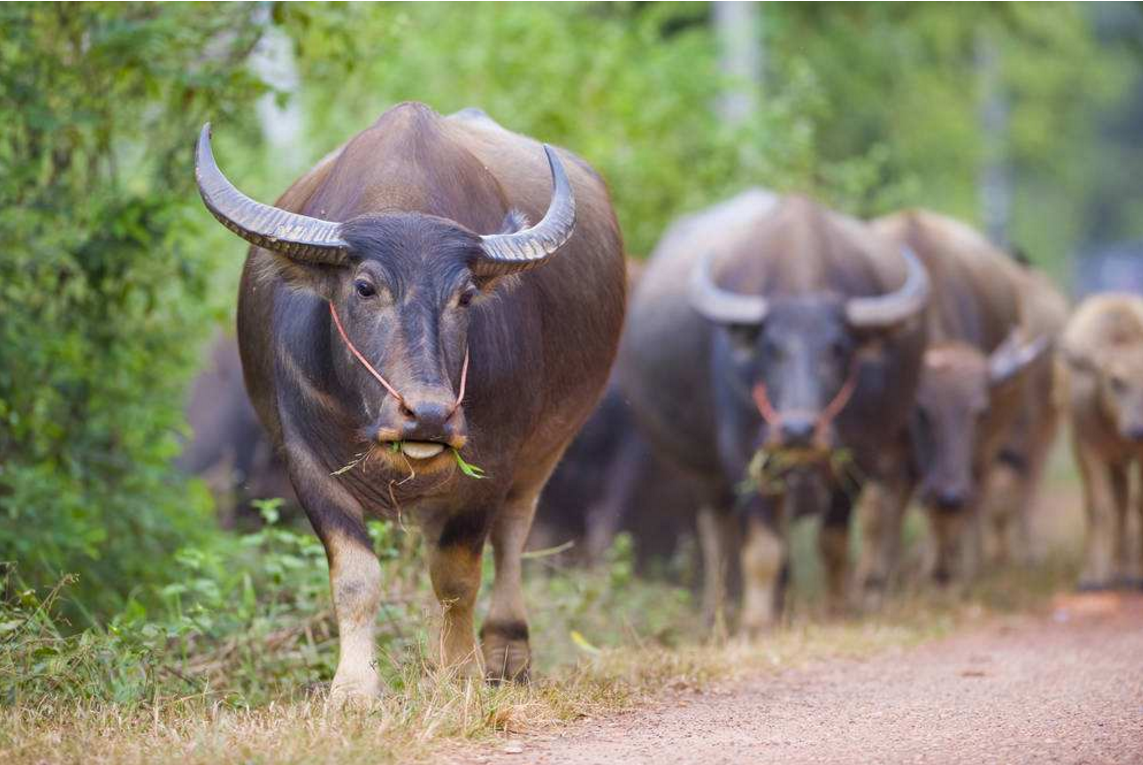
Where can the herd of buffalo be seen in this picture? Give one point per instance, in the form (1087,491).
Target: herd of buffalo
(429,317)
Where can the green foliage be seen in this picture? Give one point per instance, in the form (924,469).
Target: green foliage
(251,620)
(103,284)
(904,84)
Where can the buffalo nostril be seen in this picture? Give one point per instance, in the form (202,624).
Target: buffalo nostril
(950,499)
(797,432)
(406,412)
(428,415)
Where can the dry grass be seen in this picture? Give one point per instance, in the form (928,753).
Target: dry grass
(431,715)
(436,714)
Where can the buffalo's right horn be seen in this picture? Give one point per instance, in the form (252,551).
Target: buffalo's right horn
(299,236)
(1014,356)
(885,311)
(722,306)
(508,253)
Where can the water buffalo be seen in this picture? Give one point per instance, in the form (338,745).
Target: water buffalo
(228,447)
(611,480)
(1102,350)
(396,312)
(1012,487)
(971,385)
(771,332)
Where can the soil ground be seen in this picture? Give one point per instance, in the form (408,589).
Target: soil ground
(1060,687)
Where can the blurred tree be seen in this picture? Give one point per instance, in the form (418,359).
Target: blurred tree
(901,83)
(103,278)
(631,87)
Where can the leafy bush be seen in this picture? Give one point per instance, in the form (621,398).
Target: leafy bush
(104,280)
(251,620)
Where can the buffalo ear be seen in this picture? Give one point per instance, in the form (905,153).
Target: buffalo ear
(316,278)
(1078,361)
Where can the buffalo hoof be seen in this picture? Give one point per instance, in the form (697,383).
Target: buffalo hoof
(1090,585)
(507,657)
(870,595)
(360,693)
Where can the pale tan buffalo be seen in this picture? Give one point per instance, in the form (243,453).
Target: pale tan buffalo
(1102,348)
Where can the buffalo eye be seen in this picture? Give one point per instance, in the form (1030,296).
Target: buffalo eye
(364,288)
(743,337)
(465,298)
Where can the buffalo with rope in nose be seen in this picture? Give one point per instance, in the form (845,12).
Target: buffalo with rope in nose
(400,322)
(772,351)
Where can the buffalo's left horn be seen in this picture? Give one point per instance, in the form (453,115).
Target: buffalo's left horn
(1013,356)
(298,236)
(508,253)
(722,306)
(885,311)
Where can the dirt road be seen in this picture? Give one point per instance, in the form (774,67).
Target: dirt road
(1065,687)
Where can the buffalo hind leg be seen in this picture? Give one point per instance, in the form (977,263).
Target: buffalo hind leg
(504,636)
(455,549)
(1099,501)
(881,515)
(1121,545)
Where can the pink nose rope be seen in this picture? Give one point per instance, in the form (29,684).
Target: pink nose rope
(773,417)
(393,391)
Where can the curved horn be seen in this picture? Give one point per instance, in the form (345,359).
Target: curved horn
(299,236)
(718,304)
(1013,356)
(509,253)
(885,311)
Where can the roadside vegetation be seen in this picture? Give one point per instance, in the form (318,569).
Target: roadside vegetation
(234,663)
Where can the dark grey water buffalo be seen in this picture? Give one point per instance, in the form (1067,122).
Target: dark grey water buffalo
(773,332)
(974,373)
(228,447)
(398,313)
(611,480)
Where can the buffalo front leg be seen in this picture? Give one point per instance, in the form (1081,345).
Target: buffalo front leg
(354,574)
(455,549)
(1002,505)
(833,546)
(955,537)
(504,636)
(355,582)
(765,569)
(1137,580)
(716,534)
